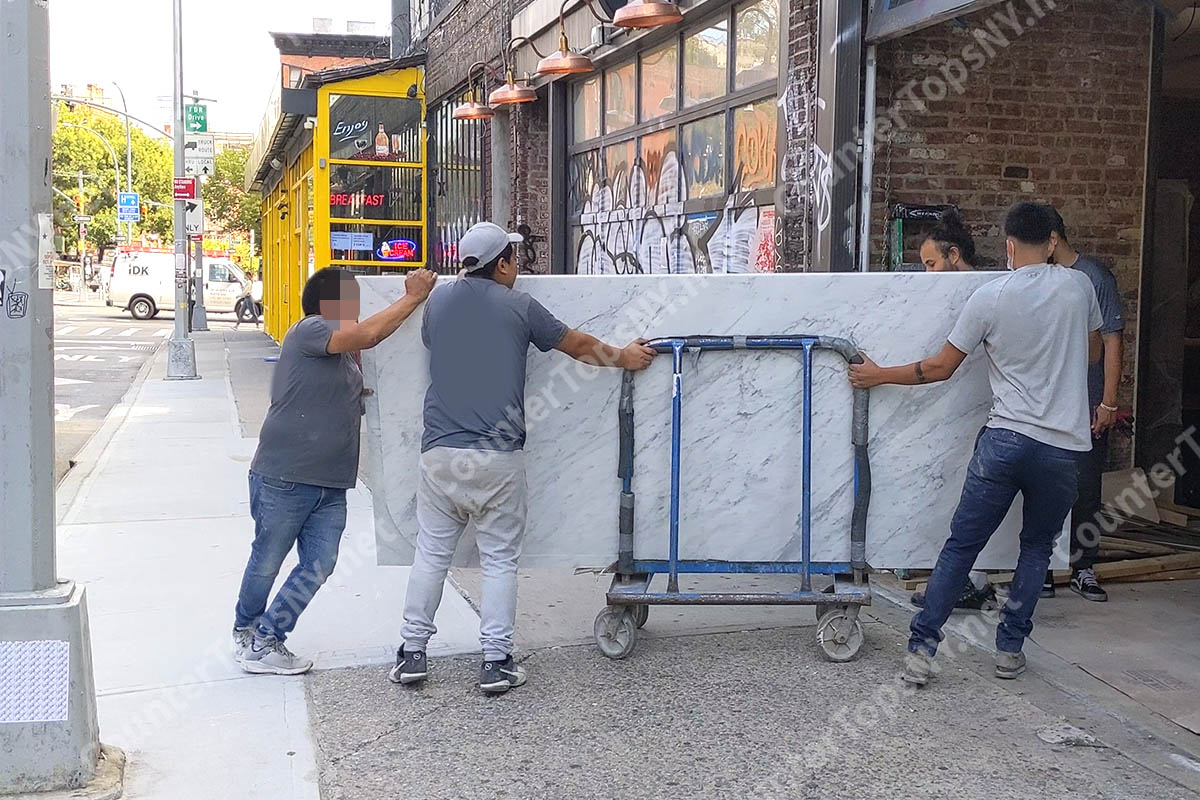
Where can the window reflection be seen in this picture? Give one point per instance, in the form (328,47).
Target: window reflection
(754,130)
(619,98)
(704,157)
(705,58)
(659,79)
(587,109)
(757,45)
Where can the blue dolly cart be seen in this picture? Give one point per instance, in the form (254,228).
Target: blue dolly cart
(839,632)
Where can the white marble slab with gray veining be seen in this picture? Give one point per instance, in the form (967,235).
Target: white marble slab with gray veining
(741,463)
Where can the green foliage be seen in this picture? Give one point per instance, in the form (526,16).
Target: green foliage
(76,149)
(227,204)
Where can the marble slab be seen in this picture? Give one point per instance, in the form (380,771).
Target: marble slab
(741,432)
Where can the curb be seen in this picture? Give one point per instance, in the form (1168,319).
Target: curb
(85,461)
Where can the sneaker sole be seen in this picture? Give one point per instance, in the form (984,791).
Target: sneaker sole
(406,678)
(1094,598)
(1009,674)
(913,680)
(258,668)
(500,687)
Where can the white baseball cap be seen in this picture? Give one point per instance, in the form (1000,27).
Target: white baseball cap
(484,241)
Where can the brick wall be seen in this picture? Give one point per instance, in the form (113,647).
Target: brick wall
(794,218)
(476,31)
(531,181)
(1058,114)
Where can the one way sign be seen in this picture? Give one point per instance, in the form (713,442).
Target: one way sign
(193,217)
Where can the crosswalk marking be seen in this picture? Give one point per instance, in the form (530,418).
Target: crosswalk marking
(129,332)
(95,332)
(163,332)
(66,330)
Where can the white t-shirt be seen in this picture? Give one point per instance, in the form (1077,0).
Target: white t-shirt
(1034,325)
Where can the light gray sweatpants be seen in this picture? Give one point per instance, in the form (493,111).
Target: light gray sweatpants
(457,486)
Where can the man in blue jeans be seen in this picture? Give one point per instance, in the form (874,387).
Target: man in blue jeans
(1039,328)
(307,458)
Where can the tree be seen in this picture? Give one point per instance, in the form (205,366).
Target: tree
(77,150)
(227,204)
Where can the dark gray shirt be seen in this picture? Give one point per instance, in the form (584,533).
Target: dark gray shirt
(478,333)
(1111,309)
(311,431)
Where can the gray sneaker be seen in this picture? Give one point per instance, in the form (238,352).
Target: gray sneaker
(242,639)
(497,677)
(918,668)
(269,657)
(1009,665)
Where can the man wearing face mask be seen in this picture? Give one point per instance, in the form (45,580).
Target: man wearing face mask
(1039,329)
(478,331)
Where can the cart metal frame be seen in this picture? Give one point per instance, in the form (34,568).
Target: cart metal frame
(839,632)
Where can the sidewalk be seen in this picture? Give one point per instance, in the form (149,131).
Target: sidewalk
(155,523)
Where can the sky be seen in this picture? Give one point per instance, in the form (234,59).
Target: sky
(227,52)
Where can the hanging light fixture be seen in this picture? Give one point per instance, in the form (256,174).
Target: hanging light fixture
(512,93)
(647,14)
(474,108)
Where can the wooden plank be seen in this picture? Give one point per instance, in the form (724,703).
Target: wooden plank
(1145,566)
(1173,517)
(1135,546)
(1169,575)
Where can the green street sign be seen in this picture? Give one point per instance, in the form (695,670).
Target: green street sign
(195,118)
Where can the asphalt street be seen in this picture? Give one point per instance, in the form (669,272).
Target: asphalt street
(98,352)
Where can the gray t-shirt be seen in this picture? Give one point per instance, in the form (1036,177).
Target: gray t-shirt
(478,333)
(1109,297)
(1034,325)
(311,431)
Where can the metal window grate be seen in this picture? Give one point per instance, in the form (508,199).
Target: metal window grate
(458,150)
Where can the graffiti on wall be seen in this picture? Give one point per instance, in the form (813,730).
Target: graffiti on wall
(631,213)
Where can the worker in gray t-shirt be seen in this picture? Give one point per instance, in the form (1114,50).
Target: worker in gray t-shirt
(1039,329)
(307,458)
(1104,379)
(478,331)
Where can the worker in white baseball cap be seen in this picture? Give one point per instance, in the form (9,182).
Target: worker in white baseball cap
(478,330)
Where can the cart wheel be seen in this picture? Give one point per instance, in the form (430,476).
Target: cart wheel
(641,613)
(840,635)
(824,608)
(615,631)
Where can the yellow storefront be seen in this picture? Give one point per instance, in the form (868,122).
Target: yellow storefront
(344,186)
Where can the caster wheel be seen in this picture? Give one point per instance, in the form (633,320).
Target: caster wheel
(839,635)
(615,631)
(641,613)
(824,608)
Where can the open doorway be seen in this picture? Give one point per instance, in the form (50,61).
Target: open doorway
(1169,359)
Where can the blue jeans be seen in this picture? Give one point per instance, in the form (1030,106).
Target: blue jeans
(288,514)
(1004,463)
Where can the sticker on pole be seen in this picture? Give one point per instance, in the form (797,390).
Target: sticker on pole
(35,680)
(45,265)
(185,188)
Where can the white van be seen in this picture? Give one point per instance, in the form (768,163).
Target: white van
(144,283)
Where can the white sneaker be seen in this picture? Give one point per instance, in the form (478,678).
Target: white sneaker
(242,639)
(269,657)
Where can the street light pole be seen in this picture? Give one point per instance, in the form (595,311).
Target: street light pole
(128,159)
(181,350)
(49,736)
(111,150)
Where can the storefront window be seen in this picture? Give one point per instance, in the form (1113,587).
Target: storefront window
(619,98)
(585,178)
(368,192)
(385,242)
(757,44)
(587,109)
(660,161)
(705,57)
(374,128)
(754,154)
(659,82)
(704,157)
(618,166)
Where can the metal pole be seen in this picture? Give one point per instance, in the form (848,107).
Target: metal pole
(82,238)
(199,313)
(128,159)
(49,736)
(868,164)
(181,350)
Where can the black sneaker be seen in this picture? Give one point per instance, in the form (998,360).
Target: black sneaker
(497,677)
(1048,585)
(1084,584)
(972,599)
(410,667)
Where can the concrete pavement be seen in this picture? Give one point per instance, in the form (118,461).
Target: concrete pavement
(154,521)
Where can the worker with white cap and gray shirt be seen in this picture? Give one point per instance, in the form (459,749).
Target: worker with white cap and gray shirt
(478,330)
